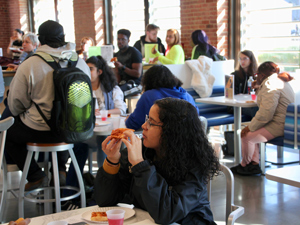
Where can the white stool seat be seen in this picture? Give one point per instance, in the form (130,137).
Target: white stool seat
(47,148)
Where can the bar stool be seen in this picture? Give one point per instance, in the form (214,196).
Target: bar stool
(47,148)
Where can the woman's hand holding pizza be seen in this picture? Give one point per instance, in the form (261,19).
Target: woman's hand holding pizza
(111,147)
(134,148)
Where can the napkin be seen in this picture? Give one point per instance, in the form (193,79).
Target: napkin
(125,205)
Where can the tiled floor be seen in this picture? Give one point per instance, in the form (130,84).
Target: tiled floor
(265,201)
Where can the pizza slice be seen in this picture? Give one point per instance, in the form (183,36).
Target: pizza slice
(114,59)
(98,216)
(118,133)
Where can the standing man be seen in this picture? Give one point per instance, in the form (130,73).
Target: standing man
(129,65)
(150,38)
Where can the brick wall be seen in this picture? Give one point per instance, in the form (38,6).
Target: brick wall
(209,15)
(203,15)
(88,19)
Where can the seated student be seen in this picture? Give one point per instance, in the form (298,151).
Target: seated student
(158,82)
(33,82)
(129,63)
(199,42)
(274,95)
(174,52)
(85,43)
(247,67)
(15,42)
(165,173)
(30,44)
(107,92)
(149,38)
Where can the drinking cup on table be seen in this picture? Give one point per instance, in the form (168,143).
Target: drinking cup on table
(115,216)
(253,96)
(103,114)
(58,223)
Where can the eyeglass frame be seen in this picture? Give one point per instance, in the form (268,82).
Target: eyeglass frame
(149,124)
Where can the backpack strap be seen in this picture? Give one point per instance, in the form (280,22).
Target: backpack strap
(42,114)
(55,65)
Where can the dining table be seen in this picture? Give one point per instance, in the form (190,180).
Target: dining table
(287,175)
(237,102)
(133,216)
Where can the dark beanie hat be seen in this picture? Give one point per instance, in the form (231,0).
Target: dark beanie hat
(52,33)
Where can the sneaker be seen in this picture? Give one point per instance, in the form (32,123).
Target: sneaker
(234,168)
(249,169)
(43,182)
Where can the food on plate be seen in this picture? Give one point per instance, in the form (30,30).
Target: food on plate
(114,59)
(118,133)
(19,220)
(252,101)
(10,69)
(98,216)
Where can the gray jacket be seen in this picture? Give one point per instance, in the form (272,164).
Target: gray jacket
(33,81)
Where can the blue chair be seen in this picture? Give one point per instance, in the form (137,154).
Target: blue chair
(290,139)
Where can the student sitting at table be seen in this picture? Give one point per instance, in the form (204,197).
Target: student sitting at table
(30,44)
(108,94)
(247,67)
(200,43)
(15,44)
(158,82)
(274,95)
(174,53)
(165,173)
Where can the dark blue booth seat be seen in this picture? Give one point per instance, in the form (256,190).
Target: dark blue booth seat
(215,114)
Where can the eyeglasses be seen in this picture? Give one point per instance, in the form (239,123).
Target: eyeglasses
(149,124)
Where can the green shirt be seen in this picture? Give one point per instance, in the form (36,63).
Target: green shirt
(175,56)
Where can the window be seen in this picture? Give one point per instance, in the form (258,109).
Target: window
(44,10)
(131,14)
(270,28)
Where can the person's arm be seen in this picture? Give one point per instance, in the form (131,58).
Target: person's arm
(137,118)
(118,98)
(167,204)
(267,107)
(112,184)
(19,94)
(174,56)
(136,70)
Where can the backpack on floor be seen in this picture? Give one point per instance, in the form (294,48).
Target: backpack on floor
(73,112)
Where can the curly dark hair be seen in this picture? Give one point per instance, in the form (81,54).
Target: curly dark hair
(159,76)
(184,144)
(107,78)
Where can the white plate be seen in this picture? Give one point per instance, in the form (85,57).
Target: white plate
(87,215)
(102,123)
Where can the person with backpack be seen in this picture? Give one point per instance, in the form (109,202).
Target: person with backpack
(32,87)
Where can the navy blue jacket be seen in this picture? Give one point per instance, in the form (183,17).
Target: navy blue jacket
(185,203)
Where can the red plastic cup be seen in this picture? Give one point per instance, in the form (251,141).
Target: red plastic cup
(253,96)
(115,216)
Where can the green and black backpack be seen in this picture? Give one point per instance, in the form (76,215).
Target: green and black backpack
(73,112)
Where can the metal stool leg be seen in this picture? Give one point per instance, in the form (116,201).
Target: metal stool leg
(4,190)
(22,183)
(56,181)
(262,149)
(79,177)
